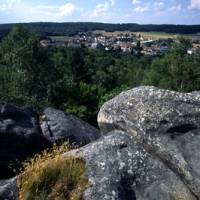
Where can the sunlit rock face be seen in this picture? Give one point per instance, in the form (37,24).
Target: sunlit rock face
(166,124)
(119,168)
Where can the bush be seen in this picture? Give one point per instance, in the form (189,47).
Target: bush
(50,177)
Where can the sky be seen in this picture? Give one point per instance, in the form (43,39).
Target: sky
(109,11)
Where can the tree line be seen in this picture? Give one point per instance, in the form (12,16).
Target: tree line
(72,28)
(80,80)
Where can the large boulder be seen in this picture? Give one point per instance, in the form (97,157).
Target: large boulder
(119,168)
(166,124)
(20,137)
(23,133)
(58,126)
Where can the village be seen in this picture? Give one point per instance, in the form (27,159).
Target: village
(135,44)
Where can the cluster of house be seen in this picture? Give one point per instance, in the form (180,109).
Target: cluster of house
(127,43)
(194,49)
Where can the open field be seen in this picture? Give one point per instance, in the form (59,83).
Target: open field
(151,35)
(156,35)
(145,35)
(148,35)
(60,38)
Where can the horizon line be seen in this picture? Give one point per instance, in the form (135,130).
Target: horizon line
(140,24)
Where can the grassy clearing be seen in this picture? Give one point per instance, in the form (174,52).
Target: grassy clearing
(148,35)
(154,35)
(60,38)
(157,35)
(50,177)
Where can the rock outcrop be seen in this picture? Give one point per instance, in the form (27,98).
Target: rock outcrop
(119,168)
(58,126)
(165,123)
(149,149)
(20,137)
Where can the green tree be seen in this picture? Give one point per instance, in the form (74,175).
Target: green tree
(176,70)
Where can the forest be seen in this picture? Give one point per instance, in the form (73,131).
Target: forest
(80,80)
(70,28)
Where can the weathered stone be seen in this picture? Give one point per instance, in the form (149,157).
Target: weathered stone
(119,168)
(58,126)
(165,123)
(9,189)
(20,137)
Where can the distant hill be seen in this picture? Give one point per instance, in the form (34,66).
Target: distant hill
(72,28)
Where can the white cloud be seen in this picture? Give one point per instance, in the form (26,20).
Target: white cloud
(135,2)
(112,2)
(9,4)
(176,8)
(102,9)
(67,9)
(29,12)
(158,4)
(195,4)
(141,8)
(54,11)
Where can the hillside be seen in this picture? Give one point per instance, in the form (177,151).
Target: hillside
(70,28)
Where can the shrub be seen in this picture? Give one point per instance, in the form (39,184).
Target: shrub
(50,177)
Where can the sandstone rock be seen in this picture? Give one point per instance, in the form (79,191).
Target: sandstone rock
(58,126)
(119,168)
(20,136)
(166,124)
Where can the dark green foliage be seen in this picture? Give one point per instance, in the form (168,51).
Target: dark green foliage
(176,70)
(80,80)
(70,28)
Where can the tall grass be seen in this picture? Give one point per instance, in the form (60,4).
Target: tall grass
(50,177)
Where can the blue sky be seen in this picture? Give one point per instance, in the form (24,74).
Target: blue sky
(115,11)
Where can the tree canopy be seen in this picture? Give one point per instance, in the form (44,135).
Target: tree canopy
(80,80)
(72,28)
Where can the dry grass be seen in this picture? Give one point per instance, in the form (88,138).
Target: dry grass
(50,177)
(146,35)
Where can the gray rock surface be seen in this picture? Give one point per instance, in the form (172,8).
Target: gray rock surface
(149,150)
(58,126)
(165,123)
(20,136)
(9,189)
(119,168)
